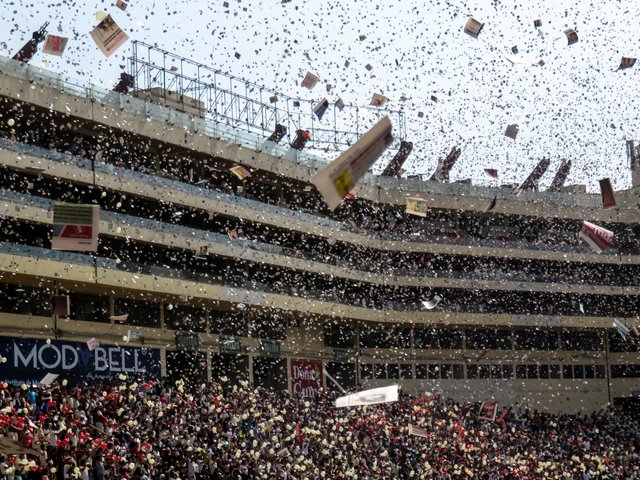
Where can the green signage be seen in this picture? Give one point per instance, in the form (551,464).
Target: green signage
(270,347)
(230,344)
(187,341)
(340,354)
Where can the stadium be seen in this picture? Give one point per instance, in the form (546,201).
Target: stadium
(236,296)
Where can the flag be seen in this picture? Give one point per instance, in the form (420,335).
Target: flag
(108,36)
(75,227)
(488,411)
(49,378)
(606,190)
(92,344)
(433,303)
(310,80)
(416,206)
(622,328)
(320,108)
(378,100)
(369,397)
(418,432)
(240,172)
(597,238)
(54,45)
(340,176)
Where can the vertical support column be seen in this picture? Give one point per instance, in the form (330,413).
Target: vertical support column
(250,360)
(112,309)
(358,352)
(607,366)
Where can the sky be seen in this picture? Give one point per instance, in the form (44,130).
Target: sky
(577,106)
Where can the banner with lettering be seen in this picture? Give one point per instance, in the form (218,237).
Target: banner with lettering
(28,361)
(306,378)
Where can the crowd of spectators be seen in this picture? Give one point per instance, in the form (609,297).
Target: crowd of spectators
(221,431)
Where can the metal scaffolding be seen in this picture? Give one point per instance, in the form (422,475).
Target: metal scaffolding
(248,106)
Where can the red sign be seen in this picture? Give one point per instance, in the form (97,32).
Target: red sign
(306,377)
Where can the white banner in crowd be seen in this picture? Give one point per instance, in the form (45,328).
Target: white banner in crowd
(418,432)
(338,178)
(369,397)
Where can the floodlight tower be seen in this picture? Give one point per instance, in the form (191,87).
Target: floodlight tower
(31,47)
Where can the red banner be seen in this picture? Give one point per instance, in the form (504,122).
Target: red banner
(306,377)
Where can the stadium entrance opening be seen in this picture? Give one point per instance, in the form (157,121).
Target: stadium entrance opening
(270,373)
(188,366)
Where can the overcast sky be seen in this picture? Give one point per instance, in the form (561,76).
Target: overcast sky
(576,106)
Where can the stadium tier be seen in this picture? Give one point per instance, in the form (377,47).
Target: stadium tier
(202,272)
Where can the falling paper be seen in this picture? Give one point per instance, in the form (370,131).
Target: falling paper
(378,100)
(572,36)
(119,318)
(340,176)
(310,81)
(92,344)
(416,206)
(606,191)
(54,45)
(626,62)
(369,397)
(492,173)
(473,27)
(49,378)
(512,131)
(320,108)
(597,238)
(433,303)
(622,328)
(108,36)
(240,172)
(61,306)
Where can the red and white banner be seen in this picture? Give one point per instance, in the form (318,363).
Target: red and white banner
(597,238)
(306,378)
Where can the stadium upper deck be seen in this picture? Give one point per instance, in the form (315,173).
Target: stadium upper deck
(168,202)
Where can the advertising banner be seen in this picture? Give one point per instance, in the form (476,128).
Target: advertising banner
(306,377)
(28,361)
(75,227)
